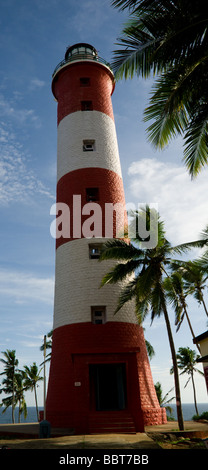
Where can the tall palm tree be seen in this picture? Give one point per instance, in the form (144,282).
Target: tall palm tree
(170,39)
(32,377)
(10,368)
(196,279)
(48,346)
(18,397)
(19,394)
(177,292)
(186,359)
(149,267)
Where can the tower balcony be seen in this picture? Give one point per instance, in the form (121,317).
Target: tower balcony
(80,52)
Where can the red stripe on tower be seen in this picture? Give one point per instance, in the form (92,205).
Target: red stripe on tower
(99,369)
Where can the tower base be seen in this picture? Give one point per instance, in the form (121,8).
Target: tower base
(101,388)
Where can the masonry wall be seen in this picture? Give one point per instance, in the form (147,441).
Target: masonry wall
(77,342)
(77,127)
(77,288)
(66,86)
(88,345)
(110,190)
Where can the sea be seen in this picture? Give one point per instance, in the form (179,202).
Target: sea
(188,412)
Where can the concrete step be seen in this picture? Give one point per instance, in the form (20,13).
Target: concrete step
(111,422)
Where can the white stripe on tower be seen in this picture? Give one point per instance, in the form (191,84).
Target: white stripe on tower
(78,280)
(79,127)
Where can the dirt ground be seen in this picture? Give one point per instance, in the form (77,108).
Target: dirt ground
(172,441)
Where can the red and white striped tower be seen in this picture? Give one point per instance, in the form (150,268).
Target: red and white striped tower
(100,378)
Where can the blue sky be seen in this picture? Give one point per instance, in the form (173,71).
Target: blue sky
(33,39)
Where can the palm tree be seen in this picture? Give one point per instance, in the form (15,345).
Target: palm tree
(177,292)
(48,346)
(164,400)
(32,377)
(149,266)
(170,39)
(10,368)
(186,359)
(19,394)
(195,278)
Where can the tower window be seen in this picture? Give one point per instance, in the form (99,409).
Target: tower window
(86,106)
(92,194)
(85,81)
(94,250)
(98,315)
(88,145)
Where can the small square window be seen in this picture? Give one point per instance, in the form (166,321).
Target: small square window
(92,194)
(94,250)
(85,81)
(86,105)
(88,145)
(98,315)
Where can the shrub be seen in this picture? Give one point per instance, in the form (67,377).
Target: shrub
(204,415)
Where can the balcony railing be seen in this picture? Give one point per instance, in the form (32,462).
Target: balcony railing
(78,56)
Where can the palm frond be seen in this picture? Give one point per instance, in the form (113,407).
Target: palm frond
(150,349)
(122,4)
(119,250)
(184,247)
(202,263)
(120,272)
(135,55)
(196,141)
(169,39)
(156,296)
(127,293)
(204,233)
(187,380)
(199,371)
(142,309)
(167,109)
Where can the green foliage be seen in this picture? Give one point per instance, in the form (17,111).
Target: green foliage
(187,360)
(170,39)
(147,286)
(203,415)
(16,382)
(164,400)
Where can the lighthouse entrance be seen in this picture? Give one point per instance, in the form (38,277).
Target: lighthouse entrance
(108,386)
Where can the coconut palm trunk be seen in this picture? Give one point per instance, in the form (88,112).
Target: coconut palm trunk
(204,305)
(36,402)
(194,390)
(175,369)
(31,381)
(190,326)
(13,398)
(186,360)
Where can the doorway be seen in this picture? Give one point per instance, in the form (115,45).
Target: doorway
(108,386)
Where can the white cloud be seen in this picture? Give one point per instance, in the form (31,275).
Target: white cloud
(17,182)
(26,287)
(36,83)
(96,14)
(182,202)
(20,116)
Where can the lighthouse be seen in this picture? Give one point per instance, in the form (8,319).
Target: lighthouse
(100,378)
